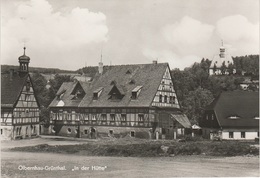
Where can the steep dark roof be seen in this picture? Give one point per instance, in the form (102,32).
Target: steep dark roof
(146,75)
(65,94)
(243,104)
(11,88)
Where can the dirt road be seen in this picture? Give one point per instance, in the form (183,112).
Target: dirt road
(183,166)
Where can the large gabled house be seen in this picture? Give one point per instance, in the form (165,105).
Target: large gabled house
(125,100)
(232,115)
(19,106)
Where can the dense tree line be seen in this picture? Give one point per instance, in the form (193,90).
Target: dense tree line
(46,95)
(196,88)
(6,68)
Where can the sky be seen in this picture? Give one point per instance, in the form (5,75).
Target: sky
(71,34)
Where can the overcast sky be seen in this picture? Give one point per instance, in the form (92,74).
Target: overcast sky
(69,34)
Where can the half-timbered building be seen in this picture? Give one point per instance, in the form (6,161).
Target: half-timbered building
(125,100)
(19,107)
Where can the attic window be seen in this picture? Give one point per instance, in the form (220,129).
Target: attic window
(132,81)
(28,86)
(136,91)
(97,93)
(116,93)
(233,117)
(128,71)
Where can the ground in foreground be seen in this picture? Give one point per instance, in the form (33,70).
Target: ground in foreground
(180,166)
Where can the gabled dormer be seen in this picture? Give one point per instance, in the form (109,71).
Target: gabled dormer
(78,92)
(116,93)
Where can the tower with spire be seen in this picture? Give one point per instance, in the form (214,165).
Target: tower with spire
(24,63)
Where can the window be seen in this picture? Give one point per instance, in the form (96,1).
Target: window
(103,118)
(140,119)
(1,131)
(27,97)
(160,98)
(165,98)
(243,135)
(95,96)
(123,118)
(69,130)
(231,134)
(17,131)
(257,134)
(111,132)
(112,118)
(26,131)
(28,86)
(132,133)
(26,112)
(85,131)
(172,99)
(134,95)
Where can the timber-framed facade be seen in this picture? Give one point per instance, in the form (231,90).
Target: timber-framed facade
(19,106)
(129,100)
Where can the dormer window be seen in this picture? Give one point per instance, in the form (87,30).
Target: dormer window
(78,92)
(128,71)
(116,93)
(132,81)
(136,91)
(97,93)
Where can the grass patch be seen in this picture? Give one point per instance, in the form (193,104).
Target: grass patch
(149,148)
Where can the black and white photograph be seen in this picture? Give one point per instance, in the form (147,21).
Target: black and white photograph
(129,88)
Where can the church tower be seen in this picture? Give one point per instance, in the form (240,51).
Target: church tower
(220,60)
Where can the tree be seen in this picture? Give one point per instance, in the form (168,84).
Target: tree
(223,68)
(214,68)
(195,103)
(230,69)
(56,84)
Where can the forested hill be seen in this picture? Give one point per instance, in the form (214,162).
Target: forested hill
(6,68)
(196,88)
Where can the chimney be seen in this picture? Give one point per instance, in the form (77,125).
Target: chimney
(100,68)
(154,61)
(11,74)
